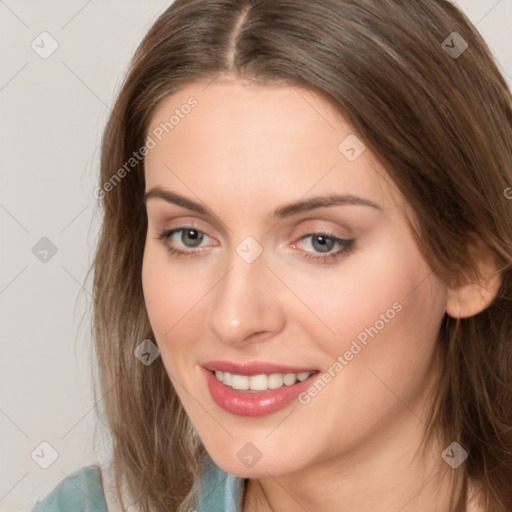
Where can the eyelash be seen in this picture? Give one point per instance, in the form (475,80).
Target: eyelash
(347,245)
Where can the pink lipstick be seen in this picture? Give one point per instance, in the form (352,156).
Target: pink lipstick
(257,388)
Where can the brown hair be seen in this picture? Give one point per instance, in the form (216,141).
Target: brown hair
(442,126)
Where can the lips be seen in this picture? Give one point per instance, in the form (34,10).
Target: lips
(248,402)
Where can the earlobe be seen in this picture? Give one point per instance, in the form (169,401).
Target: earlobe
(473,296)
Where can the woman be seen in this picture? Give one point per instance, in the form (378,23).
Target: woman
(303,280)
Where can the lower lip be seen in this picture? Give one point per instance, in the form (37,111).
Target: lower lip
(261,403)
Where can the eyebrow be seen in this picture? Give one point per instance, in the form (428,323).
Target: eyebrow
(281,212)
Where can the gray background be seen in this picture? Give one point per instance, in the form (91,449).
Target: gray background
(53,112)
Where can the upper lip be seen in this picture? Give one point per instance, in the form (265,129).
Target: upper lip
(254,368)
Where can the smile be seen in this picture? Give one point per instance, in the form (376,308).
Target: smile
(255,389)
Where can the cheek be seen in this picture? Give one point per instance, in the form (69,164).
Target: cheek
(387,342)
(383,313)
(381,355)
(174,300)
(368,295)
(160,293)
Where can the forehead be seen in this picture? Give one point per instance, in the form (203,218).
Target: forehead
(241,110)
(231,138)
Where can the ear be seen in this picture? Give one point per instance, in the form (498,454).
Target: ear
(471,296)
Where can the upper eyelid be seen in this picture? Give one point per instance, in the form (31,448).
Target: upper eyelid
(173,231)
(185,227)
(196,223)
(221,227)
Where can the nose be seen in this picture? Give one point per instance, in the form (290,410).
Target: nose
(245,304)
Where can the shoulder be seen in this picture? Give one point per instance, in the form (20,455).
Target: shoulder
(220,491)
(81,492)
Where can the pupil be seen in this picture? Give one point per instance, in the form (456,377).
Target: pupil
(193,235)
(325,243)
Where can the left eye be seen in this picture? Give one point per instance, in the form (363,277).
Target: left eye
(324,243)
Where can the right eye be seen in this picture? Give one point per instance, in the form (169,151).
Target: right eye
(190,238)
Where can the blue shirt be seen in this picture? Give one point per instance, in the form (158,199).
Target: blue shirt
(82,492)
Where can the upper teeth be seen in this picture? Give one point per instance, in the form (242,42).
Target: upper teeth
(261,382)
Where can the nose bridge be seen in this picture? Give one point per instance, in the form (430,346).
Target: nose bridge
(242,304)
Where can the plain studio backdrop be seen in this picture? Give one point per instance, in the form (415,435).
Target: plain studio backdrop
(62,64)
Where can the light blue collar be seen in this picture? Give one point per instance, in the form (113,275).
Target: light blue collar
(221,491)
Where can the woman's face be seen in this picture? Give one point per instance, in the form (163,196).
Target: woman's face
(264,288)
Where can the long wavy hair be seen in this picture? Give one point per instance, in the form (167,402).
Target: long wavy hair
(440,122)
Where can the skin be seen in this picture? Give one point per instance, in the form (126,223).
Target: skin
(244,151)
